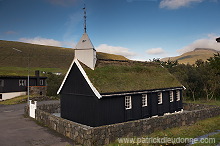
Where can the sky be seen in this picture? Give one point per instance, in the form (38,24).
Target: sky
(136,29)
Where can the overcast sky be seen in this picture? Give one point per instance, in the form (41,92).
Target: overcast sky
(137,29)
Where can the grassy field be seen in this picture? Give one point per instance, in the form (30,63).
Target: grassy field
(23,71)
(212,102)
(40,57)
(217,141)
(16,100)
(23,99)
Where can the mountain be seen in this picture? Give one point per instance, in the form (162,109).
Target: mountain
(44,58)
(192,56)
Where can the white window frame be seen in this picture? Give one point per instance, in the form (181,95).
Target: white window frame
(160,97)
(41,82)
(22,82)
(144,100)
(171,96)
(177,95)
(128,104)
(1,83)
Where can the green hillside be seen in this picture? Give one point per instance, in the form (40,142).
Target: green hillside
(44,58)
(192,56)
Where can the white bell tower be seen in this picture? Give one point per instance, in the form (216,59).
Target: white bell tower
(85,51)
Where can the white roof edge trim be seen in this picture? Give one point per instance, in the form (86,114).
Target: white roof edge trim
(184,87)
(141,92)
(61,86)
(84,75)
(87,79)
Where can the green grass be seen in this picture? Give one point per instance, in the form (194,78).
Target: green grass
(212,102)
(130,76)
(23,71)
(40,56)
(101,55)
(199,128)
(16,100)
(23,99)
(217,141)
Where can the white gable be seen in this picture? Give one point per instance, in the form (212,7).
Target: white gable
(84,75)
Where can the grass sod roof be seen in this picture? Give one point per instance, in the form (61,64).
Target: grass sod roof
(124,76)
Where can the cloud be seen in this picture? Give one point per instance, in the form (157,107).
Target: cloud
(48,42)
(209,42)
(175,4)
(155,51)
(41,41)
(10,32)
(115,50)
(62,2)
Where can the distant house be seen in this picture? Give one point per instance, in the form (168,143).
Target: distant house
(101,92)
(57,73)
(12,86)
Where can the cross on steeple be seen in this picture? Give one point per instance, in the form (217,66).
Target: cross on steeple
(84,18)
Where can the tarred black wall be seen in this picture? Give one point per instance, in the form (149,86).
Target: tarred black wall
(12,84)
(79,104)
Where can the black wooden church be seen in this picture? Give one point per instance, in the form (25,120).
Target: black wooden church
(98,92)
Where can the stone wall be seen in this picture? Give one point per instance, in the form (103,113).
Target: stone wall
(105,134)
(50,108)
(38,90)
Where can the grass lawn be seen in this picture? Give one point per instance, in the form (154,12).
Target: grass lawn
(44,58)
(192,131)
(22,71)
(16,100)
(23,99)
(217,141)
(212,102)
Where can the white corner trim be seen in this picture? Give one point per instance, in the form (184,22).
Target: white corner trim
(84,75)
(184,88)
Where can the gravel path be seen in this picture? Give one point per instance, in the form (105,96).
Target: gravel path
(16,130)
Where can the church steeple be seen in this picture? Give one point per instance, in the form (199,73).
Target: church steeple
(85,51)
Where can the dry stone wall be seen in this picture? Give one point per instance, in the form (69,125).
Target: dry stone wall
(38,90)
(86,135)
